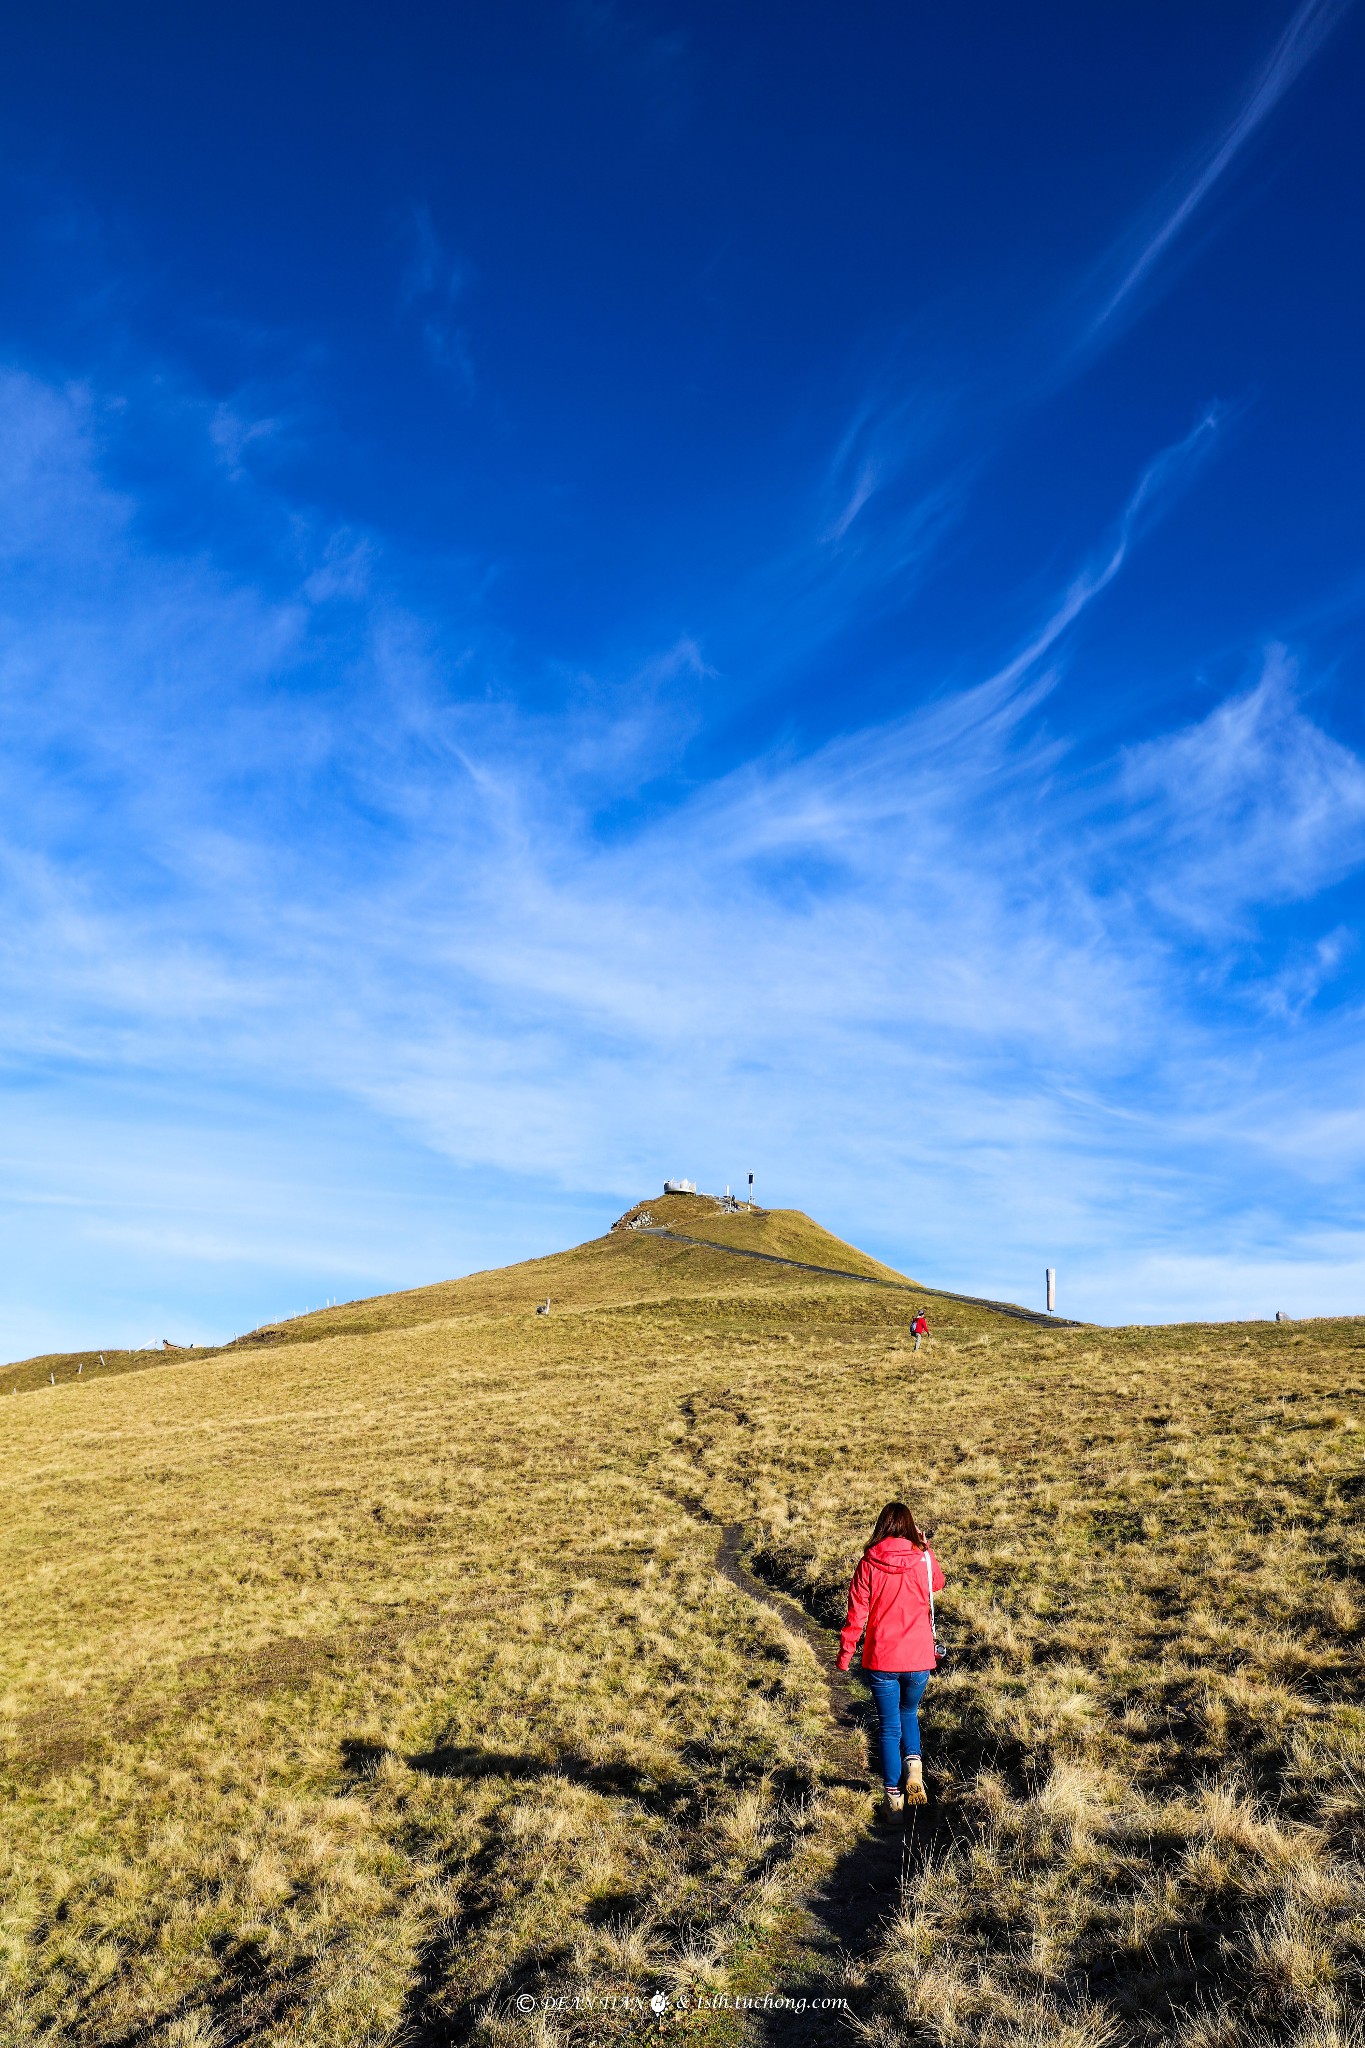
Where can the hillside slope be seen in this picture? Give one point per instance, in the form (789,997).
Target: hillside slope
(602,1268)
(367,1679)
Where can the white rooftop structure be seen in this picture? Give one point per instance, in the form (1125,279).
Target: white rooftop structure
(680,1187)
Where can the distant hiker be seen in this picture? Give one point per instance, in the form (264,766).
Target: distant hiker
(543,1308)
(892,1596)
(920,1328)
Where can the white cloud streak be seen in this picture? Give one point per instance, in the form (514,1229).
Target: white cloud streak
(1308,28)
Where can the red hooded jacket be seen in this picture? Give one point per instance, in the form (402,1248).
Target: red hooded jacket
(890,1594)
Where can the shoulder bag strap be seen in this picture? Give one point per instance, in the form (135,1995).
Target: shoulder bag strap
(929,1575)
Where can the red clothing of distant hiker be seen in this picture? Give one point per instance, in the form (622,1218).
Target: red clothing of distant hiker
(890,1593)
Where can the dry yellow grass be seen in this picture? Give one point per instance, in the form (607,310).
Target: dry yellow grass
(363,1679)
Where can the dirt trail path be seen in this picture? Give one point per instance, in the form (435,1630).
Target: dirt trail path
(843,1707)
(870,1881)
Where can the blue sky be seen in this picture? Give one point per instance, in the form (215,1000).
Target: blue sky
(599,591)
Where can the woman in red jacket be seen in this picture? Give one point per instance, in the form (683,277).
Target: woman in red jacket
(890,1596)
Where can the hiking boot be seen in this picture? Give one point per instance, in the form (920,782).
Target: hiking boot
(914,1782)
(895,1800)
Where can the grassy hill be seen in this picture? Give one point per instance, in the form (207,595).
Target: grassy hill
(784,1233)
(393,1665)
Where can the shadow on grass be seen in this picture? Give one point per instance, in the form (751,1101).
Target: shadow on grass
(435,2014)
(469,1761)
(865,1888)
(247,2001)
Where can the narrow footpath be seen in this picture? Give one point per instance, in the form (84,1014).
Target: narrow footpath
(869,1882)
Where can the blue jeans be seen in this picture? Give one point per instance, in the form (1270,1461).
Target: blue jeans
(898,1694)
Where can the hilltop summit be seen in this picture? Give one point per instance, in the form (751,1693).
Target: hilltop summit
(780,1233)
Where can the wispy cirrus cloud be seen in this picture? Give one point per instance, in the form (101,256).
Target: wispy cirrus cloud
(1022,677)
(1251,806)
(923,959)
(904,420)
(1308,29)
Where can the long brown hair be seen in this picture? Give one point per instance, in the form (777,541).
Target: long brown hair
(896,1519)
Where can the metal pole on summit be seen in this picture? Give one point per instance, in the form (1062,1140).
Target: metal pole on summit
(1051,1289)
(751,1191)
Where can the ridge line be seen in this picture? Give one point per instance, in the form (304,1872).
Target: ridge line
(1000,1308)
